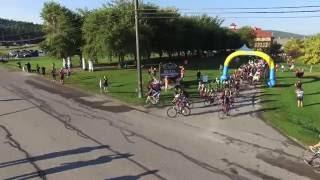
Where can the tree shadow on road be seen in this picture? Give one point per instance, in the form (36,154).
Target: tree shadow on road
(52,155)
(255,111)
(11,100)
(72,165)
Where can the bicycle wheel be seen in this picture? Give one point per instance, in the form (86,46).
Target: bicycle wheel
(185,111)
(307,156)
(221,113)
(228,111)
(172,112)
(190,104)
(206,102)
(154,100)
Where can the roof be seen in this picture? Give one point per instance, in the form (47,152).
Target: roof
(233,24)
(261,33)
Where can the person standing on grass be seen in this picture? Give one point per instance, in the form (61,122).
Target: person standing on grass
(299,93)
(61,76)
(198,75)
(182,71)
(28,67)
(53,73)
(298,85)
(105,84)
(68,72)
(38,68)
(43,70)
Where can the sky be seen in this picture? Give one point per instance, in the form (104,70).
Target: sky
(29,10)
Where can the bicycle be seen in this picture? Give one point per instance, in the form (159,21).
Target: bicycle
(209,100)
(179,108)
(189,103)
(153,99)
(224,111)
(311,157)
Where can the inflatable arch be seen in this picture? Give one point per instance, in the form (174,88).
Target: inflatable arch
(264,56)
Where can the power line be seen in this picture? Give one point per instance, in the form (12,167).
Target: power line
(241,17)
(239,8)
(237,12)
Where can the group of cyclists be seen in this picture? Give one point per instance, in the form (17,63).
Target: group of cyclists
(216,91)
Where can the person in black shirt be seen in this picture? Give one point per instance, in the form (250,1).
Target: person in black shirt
(43,70)
(38,68)
(198,75)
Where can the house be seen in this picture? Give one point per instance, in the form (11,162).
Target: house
(263,40)
(233,27)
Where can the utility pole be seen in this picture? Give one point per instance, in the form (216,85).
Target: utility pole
(138,49)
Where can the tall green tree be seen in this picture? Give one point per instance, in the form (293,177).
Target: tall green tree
(109,31)
(275,49)
(247,36)
(62,29)
(294,48)
(312,50)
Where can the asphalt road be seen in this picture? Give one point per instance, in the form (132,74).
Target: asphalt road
(48,131)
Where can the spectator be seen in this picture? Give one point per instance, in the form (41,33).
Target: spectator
(53,73)
(299,93)
(298,85)
(105,84)
(198,75)
(28,67)
(282,68)
(182,71)
(38,68)
(43,70)
(68,72)
(61,76)
(154,71)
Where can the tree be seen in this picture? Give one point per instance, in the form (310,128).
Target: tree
(109,31)
(17,31)
(294,48)
(247,36)
(312,50)
(62,29)
(275,49)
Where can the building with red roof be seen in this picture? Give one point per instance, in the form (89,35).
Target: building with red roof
(263,40)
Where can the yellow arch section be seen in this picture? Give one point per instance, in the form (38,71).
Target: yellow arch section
(260,54)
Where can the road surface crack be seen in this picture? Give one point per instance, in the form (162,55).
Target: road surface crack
(15,144)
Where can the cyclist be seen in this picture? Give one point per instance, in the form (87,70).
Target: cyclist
(154,89)
(225,99)
(315,146)
(317,153)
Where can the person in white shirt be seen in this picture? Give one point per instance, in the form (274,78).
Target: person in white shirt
(299,93)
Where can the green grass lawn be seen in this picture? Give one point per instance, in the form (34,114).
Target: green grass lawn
(123,82)
(300,123)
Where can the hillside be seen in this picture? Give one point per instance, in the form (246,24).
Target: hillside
(19,31)
(283,34)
